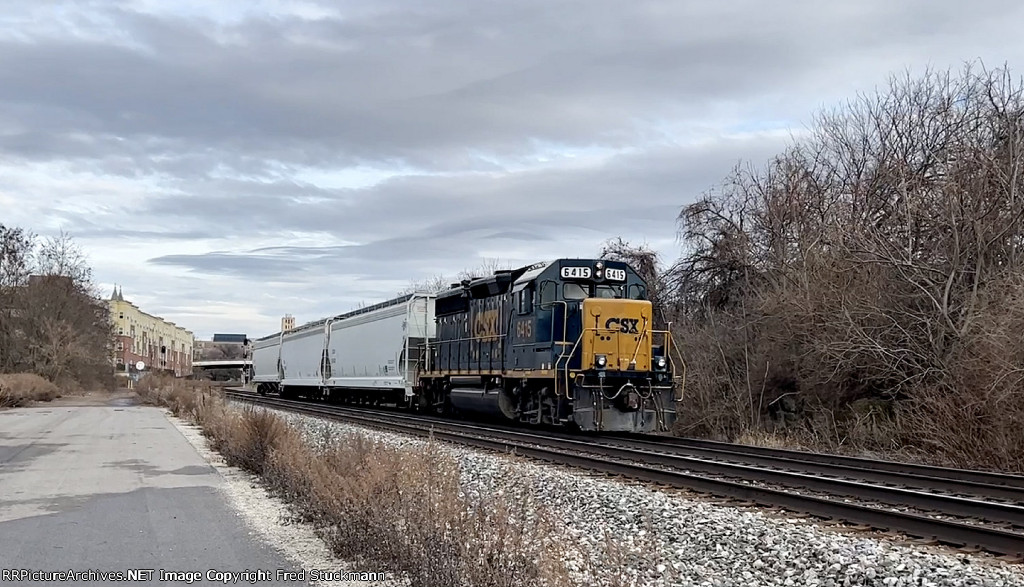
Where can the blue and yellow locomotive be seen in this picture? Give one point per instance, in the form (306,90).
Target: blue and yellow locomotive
(571,342)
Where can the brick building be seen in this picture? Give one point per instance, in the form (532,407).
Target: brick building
(138,336)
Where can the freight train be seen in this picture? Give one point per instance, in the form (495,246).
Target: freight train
(564,343)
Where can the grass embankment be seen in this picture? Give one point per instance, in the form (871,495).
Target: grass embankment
(371,502)
(19,389)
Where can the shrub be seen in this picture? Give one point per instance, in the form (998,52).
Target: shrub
(19,389)
(370,501)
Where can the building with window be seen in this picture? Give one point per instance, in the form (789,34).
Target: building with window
(138,336)
(223,347)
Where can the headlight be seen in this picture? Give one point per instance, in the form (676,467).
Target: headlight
(661,362)
(601,361)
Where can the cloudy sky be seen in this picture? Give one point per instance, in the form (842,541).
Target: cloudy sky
(229,161)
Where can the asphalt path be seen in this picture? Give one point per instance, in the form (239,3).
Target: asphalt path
(117,489)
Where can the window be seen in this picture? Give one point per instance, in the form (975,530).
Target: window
(120,346)
(548,293)
(526,300)
(637,292)
(608,291)
(573,291)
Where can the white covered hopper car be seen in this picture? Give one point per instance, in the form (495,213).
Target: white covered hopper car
(371,354)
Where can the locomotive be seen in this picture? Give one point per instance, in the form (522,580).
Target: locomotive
(564,343)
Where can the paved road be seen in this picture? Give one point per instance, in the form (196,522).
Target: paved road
(115,488)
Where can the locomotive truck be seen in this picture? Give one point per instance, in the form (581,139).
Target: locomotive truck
(566,343)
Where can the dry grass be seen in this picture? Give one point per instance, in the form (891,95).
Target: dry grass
(182,396)
(767,439)
(375,503)
(20,389)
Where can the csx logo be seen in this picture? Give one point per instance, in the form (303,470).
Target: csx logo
(624,325)
(485,325)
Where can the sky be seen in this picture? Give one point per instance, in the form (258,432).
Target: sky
(228,162)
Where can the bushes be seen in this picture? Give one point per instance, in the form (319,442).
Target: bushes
(373,502)
(862,291)
(182,396)
(402,507)
(21,388)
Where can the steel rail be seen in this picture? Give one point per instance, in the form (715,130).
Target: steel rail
(953,482)
(893,495)
(929,471)
(860,472)
(944,531)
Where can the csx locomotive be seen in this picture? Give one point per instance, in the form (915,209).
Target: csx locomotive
(569,342)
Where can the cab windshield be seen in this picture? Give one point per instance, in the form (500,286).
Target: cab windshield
(608,291)
(577,291)
(573,291)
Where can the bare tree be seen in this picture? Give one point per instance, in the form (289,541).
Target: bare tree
(434,284)
(60,255)
(439,283)
(487,266)
(53,323)
(861,272)
(16,247)
(661,281)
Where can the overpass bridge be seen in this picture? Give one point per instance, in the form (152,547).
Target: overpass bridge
(243,367)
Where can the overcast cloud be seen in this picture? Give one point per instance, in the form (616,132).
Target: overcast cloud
(228,162)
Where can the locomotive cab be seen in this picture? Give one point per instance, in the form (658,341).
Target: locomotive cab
(570,342)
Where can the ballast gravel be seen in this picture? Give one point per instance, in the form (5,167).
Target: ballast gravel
(666,539)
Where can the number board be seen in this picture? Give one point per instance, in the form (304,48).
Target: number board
(576,273)
(615,274)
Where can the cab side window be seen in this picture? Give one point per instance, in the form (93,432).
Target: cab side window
(548,293)
(526,300)
(637,292)
(573,291)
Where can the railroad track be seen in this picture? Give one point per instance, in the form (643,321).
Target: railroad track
(968,509)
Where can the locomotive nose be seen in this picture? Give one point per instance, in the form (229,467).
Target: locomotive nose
(616,334)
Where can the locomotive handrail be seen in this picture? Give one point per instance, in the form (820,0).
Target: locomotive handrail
(669,339)
(568,357)
(669,347)
(639,342)
(571,353)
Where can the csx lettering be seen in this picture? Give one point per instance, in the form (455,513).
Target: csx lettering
(624,325)
(485,325)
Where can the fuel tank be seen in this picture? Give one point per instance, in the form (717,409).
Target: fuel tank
(468,395)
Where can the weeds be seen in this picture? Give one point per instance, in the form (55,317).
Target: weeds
(375,503)
(20,389)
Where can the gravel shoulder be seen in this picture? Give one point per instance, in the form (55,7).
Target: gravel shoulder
(670,538)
